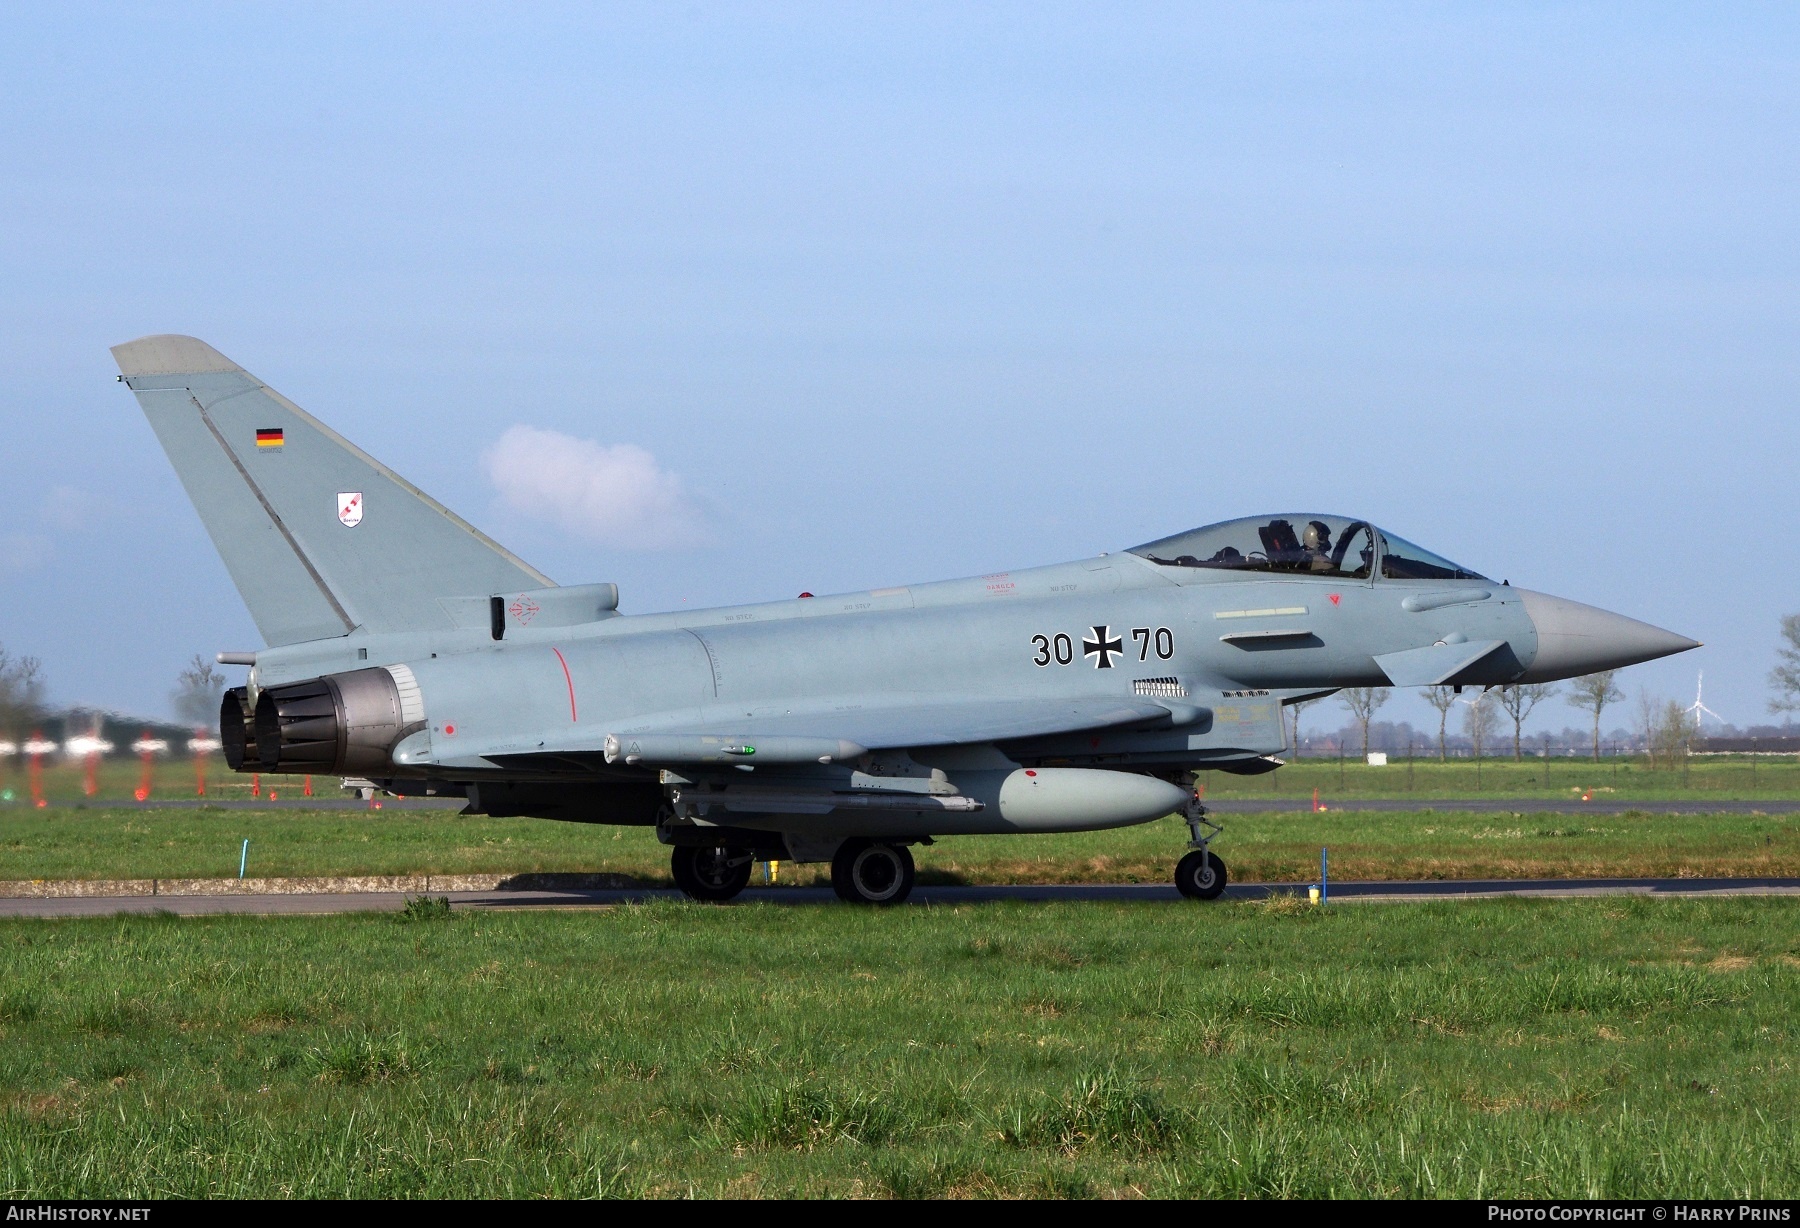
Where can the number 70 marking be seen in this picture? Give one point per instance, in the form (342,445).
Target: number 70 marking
(1162,638)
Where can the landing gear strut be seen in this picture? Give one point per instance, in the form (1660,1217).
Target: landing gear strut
(1200,875)
(712,874)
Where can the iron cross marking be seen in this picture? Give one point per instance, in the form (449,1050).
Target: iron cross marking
(1104,645)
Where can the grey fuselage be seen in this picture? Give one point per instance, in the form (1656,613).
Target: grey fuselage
(1226,646)
(410,649)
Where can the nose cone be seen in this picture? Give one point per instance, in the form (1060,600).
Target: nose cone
(1576,639)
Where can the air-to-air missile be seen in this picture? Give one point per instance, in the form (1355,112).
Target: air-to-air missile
(409,651)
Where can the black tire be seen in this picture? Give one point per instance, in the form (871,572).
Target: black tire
(840,880)
(713,875)
(1200,876)
(871,872)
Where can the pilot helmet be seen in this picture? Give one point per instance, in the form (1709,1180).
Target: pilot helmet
(1317,538)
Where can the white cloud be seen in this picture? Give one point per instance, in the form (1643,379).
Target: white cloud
(618,494)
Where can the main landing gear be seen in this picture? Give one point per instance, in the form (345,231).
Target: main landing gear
(872,872)
(863,872)
(1200,875)
(712,874)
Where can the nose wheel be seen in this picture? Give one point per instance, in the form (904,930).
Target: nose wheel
(1201,874)
(710,874)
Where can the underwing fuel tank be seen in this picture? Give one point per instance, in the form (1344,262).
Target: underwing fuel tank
(988,802)
(1070,799)
(339,723)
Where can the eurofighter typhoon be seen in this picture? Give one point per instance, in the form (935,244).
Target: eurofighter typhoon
(406,648)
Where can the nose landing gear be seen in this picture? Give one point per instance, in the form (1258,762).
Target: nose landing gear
(1200,875)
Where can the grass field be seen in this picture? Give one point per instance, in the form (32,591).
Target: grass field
(1638,1048)
(1616,778)
(1622,778)
(65,782)
(1283,847)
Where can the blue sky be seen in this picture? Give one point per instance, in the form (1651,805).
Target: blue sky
(883,294)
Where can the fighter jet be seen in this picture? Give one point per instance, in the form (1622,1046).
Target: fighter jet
(407,649)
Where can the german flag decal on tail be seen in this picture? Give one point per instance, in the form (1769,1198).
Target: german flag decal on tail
(269,437)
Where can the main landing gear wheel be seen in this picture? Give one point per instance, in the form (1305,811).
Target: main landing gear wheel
(870,872)
(1200,876)
(711,874)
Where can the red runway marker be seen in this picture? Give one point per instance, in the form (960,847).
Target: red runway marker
(145,757)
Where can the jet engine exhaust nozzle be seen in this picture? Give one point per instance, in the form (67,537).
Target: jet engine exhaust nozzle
(237,729)
(339,723)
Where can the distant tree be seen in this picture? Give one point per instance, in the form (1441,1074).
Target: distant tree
(1666,727)
(1443,698)
(1519,701)
(1363,702)
(1649,715)
(1478,721)
(22,690)
(1297,707)
(1785,677)
(1592,694)
(198,689)
(1678,729)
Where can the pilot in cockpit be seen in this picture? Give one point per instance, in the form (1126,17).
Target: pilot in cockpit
(1316,541)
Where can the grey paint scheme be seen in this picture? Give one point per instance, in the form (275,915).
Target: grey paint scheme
(937,686)
(304,575)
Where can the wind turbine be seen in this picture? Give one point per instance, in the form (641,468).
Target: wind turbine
(1699,710)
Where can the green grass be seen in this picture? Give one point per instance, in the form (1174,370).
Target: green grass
(1594,1048)
(1619,779)
(65,782)
(1284,847)
(65,842)
(1276,847)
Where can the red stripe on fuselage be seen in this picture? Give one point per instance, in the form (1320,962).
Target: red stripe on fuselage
(567,679)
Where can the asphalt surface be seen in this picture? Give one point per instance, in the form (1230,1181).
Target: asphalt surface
(1342,893)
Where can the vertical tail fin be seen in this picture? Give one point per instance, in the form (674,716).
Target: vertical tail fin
(320,538)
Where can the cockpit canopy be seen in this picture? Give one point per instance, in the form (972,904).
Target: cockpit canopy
(1304,544)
